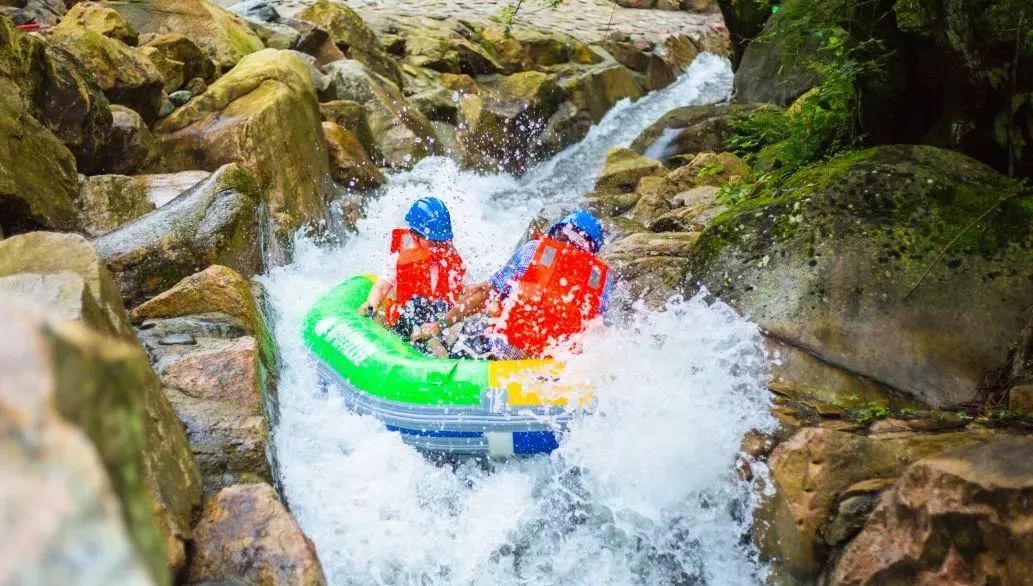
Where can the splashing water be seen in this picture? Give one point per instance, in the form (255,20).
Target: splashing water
(642,491)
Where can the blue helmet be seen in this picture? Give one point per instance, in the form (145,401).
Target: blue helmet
(585,223)
(429,218)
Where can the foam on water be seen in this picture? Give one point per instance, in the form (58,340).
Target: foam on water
(642,491)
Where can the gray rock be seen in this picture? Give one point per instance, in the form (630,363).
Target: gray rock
(215,222)
(179,98)
(178,340)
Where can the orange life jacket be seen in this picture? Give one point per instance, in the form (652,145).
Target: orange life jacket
(418,258)
(559,292)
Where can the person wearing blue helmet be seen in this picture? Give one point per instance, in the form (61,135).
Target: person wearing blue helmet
(424,271)
(543,297)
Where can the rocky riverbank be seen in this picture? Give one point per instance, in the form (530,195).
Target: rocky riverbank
(155,157)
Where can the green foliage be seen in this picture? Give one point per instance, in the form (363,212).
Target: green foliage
(866,415)
(508,14)
(833,39)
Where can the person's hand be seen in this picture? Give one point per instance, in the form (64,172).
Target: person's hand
(426,332)
(366,309)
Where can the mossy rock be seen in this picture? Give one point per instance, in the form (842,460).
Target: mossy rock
(126,75)
(827,261)
(98,18)
(225,37)
(350,33)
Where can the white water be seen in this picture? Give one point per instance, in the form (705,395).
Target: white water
(642,491)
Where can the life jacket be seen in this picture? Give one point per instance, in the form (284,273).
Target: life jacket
(418,258)
(560,291)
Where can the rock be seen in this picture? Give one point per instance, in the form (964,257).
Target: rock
(257,114)
(523,49)
(499,128)
(448,53)
(106,386)
(179,98)
(349,164)
(177,48)
(165,187)
(647,244)
(215,222)
(215,388)
(955,518)
(96,301)
(351,34)
(171,70)
(44,12)
(225,37)
(48,460)
(126,76)
(275,35)
(350,116)
(784,260)
(246,535)
(627,54)
(166,108)
(744,19)
(96,17)
(131,146)
(315,41)
(260,10)
(690,130)
(196,86)
(694,216)
(803,377)
(764,77)
(623,169)
(403,135)
(215,289)
(70,104)
(178,340)
(39,184)
(590,96)
(671,58)
(813,468)
(109,201)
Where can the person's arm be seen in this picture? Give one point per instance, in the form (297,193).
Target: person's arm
(376,296)
(473,300)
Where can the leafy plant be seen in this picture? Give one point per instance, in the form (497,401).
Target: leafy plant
(508,14)
(834,41)
(866,415)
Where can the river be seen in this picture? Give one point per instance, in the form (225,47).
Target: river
(642,491)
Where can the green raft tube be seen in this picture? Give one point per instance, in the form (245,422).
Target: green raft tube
(465,407)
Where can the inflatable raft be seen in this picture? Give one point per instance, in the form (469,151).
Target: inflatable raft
(468,407)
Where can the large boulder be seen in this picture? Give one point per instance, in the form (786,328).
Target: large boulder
(403,135)
(96,17)
(518,48)
(351,34)
(131,146)
(57,496)
(764,76)
(813,469)
(38,180)
(744,19)
(162,188)
(94,298)
(831,263)
(214,222)
(258,114)
(247,536)
(217,361)
(224,36)
(109,201)
(500,125)
(961,517)
(590,95)
(57,91)
(105,384)
(126,75)
(180,49)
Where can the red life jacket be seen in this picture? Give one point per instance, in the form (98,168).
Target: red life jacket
(417,259)
(556,296)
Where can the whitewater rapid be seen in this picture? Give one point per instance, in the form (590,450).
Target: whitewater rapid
(643,491)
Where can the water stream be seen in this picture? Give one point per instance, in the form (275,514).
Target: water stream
(643,491)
